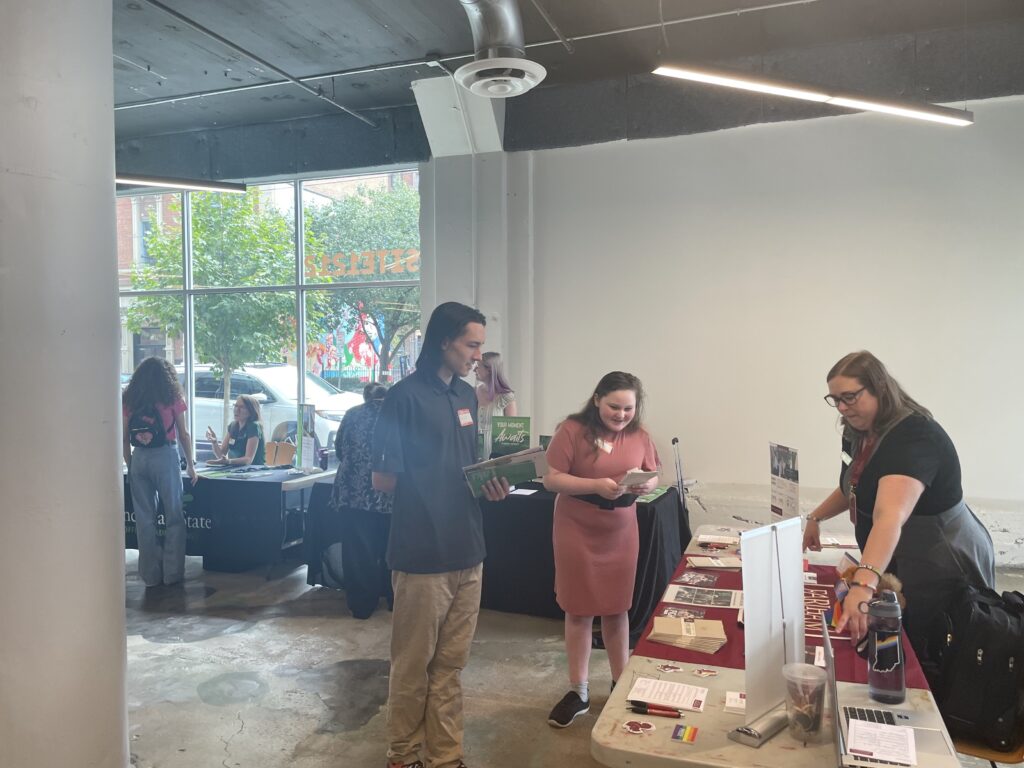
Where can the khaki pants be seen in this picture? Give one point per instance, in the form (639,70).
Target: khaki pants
(432,629)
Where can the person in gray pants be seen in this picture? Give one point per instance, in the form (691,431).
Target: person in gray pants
(153,419)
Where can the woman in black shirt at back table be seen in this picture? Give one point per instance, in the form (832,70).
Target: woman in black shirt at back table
(900,480)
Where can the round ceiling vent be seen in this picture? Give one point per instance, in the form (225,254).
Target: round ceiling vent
(499,78)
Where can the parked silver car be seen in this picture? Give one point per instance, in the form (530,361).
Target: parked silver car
(276,389)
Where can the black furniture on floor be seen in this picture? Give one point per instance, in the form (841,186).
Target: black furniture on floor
(519,572)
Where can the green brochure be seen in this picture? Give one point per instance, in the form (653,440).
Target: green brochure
(509,434)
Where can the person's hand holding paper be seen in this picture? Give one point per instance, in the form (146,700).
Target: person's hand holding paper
(639,482)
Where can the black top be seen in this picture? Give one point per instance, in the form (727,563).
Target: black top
(240,439)
(353,487)
(916,447)
(426,434)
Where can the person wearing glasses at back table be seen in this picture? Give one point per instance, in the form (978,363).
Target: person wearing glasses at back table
(900,480)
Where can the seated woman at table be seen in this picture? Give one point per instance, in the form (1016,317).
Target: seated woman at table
(900,479)
(494,395)
(596,549)
(153,413)
(243,444)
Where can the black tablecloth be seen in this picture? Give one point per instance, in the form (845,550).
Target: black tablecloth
(519,572)
(236,523)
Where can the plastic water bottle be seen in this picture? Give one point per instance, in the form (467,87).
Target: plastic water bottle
(885,650)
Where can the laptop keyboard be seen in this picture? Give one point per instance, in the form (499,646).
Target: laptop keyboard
(871,715)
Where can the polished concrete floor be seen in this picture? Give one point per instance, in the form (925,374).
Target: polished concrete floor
(235,670)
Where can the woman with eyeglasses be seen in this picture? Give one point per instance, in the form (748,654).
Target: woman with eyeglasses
(900,481)
(243,444)
(494,396)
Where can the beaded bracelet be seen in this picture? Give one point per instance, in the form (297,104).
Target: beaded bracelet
(869,568)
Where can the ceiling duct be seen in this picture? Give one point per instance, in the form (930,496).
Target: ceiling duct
(501,68)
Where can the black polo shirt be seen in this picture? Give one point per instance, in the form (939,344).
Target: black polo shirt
(425,435)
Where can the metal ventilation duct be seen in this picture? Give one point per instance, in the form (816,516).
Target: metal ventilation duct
(501,68)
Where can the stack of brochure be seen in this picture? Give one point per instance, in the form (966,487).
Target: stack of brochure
(515,468)
(703,635)
(714,562)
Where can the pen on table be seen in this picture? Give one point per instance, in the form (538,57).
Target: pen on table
(646,709)
(656,712)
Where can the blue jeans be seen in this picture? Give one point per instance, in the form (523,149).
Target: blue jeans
(156,474)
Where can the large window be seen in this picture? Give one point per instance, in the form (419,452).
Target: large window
(216,280)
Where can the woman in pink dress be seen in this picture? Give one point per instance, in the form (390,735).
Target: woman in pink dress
(596,543)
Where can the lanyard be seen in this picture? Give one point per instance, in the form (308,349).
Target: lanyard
(867,448)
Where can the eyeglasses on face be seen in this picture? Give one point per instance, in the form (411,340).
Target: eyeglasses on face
(846,398)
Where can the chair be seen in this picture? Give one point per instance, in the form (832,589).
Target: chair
(977,749)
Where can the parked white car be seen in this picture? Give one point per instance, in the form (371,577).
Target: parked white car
(276,388)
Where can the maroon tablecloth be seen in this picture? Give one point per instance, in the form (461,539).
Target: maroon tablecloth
(817,598)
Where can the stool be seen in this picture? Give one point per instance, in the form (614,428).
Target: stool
(977,749)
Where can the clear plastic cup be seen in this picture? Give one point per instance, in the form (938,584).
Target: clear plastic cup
(805,700)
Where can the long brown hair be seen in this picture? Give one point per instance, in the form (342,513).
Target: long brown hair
(893,402)
(252,405)
(589,416)
(154,382)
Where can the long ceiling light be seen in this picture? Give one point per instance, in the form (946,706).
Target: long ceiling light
(810,93)
(169,183)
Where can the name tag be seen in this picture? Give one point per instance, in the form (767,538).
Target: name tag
(465,417)
(231,441)
(847,458)
(603,445)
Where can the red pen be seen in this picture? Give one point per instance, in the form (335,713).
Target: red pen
(643,708)
(656,712)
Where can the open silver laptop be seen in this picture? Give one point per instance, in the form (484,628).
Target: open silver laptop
(934,749)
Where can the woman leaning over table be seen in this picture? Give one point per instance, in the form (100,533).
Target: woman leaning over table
(900,480)
(154,471)
(243,444)
(596,549)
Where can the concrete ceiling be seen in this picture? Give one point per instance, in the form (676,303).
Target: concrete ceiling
(174,85)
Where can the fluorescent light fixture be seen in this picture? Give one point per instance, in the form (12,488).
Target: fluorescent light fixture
(744,83)
(169,183)
(924,112)
(808,93)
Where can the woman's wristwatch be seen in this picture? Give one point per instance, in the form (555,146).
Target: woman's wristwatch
(812,519)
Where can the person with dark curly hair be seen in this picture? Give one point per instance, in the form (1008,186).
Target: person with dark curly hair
(153,418)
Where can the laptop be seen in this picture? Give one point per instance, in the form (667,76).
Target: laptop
(934,749)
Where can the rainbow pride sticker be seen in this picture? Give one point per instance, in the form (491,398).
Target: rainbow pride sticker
(684,733)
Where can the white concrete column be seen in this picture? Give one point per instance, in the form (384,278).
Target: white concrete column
(62,642)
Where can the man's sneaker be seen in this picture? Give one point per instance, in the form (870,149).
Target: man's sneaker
(416,764)
(568,709)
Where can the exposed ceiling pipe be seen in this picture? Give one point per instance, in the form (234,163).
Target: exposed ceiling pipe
(425,62)
(500,69)
(497,28)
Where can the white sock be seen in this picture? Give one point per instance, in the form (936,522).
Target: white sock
(582,690)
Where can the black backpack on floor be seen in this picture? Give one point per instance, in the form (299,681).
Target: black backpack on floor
(976,666)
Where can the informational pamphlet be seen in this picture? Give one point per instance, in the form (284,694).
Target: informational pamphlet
(702,635)
(712,598)
(518,467)
(878,741)
(665,693)
(509,434)
(785,481)
(307,435)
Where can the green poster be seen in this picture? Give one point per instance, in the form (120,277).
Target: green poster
(509,434)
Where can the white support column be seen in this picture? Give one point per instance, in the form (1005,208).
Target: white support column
(62,646)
